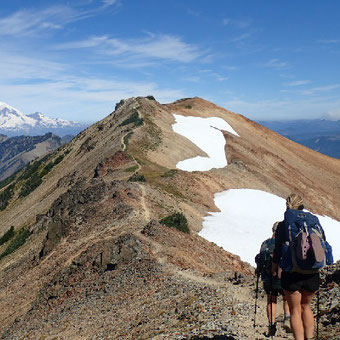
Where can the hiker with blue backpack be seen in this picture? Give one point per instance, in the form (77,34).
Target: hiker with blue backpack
(271,285)
(301,251)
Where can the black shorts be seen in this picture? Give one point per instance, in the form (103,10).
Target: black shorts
(297,281)
(272,292)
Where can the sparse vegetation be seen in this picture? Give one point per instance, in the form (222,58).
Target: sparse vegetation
(7,180)
(16,242)
(50,165)
(137,178)
(30,169)
(176,220)
(188,107)
(86,146)
(30,184)
(46,169)
(132,168)
(5,196)
(170,173)
(127,138)
(134,118)
(7,236)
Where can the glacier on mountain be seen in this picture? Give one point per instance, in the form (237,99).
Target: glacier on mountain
(13,122)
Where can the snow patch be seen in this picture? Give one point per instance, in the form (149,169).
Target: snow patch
(246,220)
(207,134)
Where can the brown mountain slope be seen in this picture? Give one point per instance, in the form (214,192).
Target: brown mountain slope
(98,265)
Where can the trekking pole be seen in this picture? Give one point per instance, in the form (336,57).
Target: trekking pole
(317,313)
(256,296)
(271,305)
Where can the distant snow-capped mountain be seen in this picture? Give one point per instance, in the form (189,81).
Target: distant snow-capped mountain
(13,123)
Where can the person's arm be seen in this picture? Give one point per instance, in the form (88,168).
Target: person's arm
(279,239)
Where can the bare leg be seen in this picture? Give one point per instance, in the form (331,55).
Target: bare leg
(271,308)
(307,314)
(294,302)
(285,307)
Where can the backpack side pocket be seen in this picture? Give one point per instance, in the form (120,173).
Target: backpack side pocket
(329,253)
(286,262)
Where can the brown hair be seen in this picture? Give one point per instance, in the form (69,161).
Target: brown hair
(294,201)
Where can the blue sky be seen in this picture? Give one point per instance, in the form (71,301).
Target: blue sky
(264,59)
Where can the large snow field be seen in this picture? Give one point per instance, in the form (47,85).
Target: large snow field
(206,134)
(246,220)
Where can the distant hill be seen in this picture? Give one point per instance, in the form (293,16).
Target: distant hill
(317,134)
(15,123)
(16,152)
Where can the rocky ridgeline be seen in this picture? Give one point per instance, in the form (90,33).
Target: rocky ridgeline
(79,204)
(119,290)
(329,302)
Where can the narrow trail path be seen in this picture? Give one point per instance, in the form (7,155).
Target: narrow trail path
(146,210)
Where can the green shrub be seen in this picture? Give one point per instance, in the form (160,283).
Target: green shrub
(176,220)
(16,242)
(134,118)
(5,196)
(46,169)
(137,178)
(132,168)
(58,159)
(8,180)
(7,235)
(30,185)
(50,165)
(188,107)
(170,173)
(30,169)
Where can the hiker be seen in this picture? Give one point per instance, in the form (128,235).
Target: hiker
(271,284)
(299,287)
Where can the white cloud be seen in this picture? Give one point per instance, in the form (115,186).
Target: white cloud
(329,41)
(276,63)
(79,97)
(320,89)
(16,67)
(226,21)
(239,24)
(108,3)
(28,22)
(298,82)
(333,114)
(161,46)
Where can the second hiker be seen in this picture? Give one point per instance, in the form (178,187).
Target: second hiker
(271,284)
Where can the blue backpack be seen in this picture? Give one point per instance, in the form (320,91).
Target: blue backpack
(264,264)
(305,250)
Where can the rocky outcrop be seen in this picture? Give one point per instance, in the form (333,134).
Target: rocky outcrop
(108,165)
(75,207)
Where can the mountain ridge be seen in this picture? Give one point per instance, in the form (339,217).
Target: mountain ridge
(98,263)
(16,152)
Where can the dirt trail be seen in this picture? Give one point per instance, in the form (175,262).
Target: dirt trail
(143,203)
